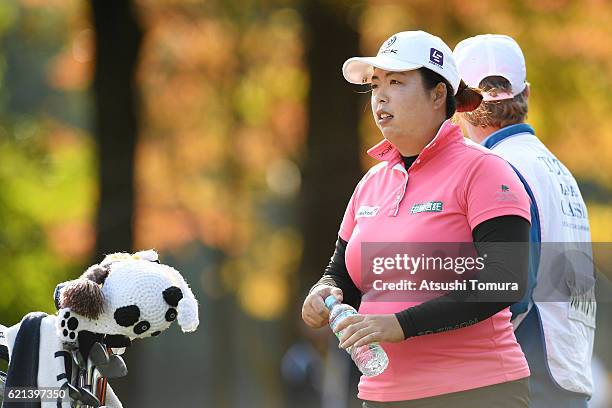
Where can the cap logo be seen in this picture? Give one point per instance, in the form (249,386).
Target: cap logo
(386,47)
(390,42)
(436,57)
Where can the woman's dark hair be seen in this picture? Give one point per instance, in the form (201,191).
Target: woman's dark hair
(466,100)
(499,113)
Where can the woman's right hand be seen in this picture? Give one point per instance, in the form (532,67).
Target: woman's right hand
(314,312)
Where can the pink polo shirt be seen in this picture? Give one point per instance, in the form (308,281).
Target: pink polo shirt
(473,185)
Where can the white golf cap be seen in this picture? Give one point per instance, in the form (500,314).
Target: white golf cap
(406,51)
(491,55)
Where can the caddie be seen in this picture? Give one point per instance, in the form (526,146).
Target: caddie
(555,331)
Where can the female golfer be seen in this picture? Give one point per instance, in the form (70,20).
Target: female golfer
(431,185)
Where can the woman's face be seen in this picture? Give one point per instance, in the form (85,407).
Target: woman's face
(404,111)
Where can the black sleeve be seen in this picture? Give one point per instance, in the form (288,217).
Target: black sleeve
(337,275)
(506,261)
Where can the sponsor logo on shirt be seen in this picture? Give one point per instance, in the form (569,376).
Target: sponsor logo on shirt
(431,206)
(387,150)
(505,194)
(366,211)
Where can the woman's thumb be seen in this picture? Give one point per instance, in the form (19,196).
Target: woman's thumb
(337,292)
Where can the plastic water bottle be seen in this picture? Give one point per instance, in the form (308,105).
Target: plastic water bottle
(371,359)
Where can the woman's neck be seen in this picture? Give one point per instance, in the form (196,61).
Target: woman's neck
(417,144)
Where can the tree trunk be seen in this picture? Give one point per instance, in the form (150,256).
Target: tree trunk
(117,43)
(332,168)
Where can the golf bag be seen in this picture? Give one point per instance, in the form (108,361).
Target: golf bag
(65,360)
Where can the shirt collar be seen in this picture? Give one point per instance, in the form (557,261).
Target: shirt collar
(506,132)
(386,151)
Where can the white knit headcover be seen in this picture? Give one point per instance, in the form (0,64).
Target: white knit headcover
(187,307)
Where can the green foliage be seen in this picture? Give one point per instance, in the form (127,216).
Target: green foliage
(46,167)
(43,186)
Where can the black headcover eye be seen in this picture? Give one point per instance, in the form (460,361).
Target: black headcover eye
(142,327)
(172,295)
(127,315)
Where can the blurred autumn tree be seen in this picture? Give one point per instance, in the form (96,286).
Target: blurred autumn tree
(223,131)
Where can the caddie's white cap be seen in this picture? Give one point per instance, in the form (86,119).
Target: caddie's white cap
(406,51)
(491,55)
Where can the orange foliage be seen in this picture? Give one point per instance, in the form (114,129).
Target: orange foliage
(71,240)
(218,108)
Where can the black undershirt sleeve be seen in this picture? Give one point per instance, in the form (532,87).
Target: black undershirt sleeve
(506,261)
(337,275)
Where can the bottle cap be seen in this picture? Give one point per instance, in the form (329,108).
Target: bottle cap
(330,301)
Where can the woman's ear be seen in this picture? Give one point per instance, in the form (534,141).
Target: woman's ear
(439,96)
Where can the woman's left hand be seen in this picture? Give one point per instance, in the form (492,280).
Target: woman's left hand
(358,330)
